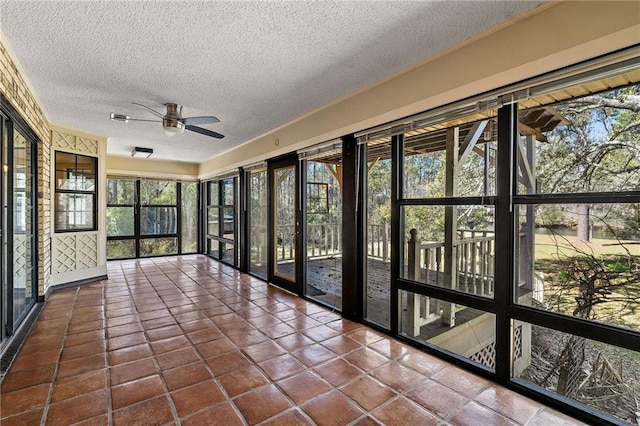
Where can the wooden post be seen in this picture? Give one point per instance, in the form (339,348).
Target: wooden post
(450,222)
(413,273)
(413,256)
(385,242)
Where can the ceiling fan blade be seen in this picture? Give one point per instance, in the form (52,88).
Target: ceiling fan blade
(124,118)
(205,132)
(142,119)
(207,119)
(156,113)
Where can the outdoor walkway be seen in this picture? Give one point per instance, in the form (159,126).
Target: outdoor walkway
(188,341)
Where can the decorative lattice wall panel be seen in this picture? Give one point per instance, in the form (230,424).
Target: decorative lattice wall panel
(74,252)
(86,251)
(517,342)
(21,257)
(88,146)
(486,355)
(64,253)
(68,142)
(64,141)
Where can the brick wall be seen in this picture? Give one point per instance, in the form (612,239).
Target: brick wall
(17,92)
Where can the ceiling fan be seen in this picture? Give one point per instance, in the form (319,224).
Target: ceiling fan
(173,122)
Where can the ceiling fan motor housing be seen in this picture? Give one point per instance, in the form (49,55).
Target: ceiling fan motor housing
(172,120)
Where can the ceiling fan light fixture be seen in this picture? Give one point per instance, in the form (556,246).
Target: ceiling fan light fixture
(139,151)
(119,117)
(172,126)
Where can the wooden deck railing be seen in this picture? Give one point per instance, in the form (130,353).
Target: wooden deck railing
(323,239)
(473,255)
(378,242)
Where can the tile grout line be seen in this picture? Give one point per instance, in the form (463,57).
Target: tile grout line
(242,351)
(198,354)
(54,377)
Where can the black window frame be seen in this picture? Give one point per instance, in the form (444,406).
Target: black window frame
(214,243)
(137,205)
(93,193)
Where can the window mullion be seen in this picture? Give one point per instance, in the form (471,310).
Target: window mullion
(507,137)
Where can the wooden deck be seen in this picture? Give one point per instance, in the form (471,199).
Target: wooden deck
(324,283)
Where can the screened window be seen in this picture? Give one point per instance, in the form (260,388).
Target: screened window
(151,217)
(75,192)
(516,238)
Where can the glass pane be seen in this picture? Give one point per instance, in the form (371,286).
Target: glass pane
(120,191)
(189,217)
(121,249)
(213,193)
(324,232)
(228,192)
(227,253)
(213,248)
(158,220)
(75,172)
(229,225)
(258,222)
(158,246)
(285,222)
(378,228)
(450,247)
(74,211)
(213,222)
(462,330)
(120,221)
(598,375)
(587,144)
(23,227)
(472,158)
(65,169)
(85,173)
(581,260)
(158,192)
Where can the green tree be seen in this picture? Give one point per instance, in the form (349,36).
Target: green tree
(598,150)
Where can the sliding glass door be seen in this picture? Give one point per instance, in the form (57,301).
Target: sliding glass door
(257,220)
(305,223)
(18,225)
(377,241)
(221,217)
(323,225)
(284,231)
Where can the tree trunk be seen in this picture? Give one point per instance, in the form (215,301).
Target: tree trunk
(583,223)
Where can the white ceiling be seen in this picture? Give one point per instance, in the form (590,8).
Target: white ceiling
(256,65)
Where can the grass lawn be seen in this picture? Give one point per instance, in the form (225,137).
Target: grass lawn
(550,246)
(556,259)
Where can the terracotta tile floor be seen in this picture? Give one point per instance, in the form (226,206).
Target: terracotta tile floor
(186,340)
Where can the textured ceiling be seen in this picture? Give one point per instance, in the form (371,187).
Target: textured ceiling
(254,65)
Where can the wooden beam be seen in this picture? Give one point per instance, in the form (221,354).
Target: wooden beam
(284,176)
(372,164)
(470,141)
(336,173)
(525,168)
